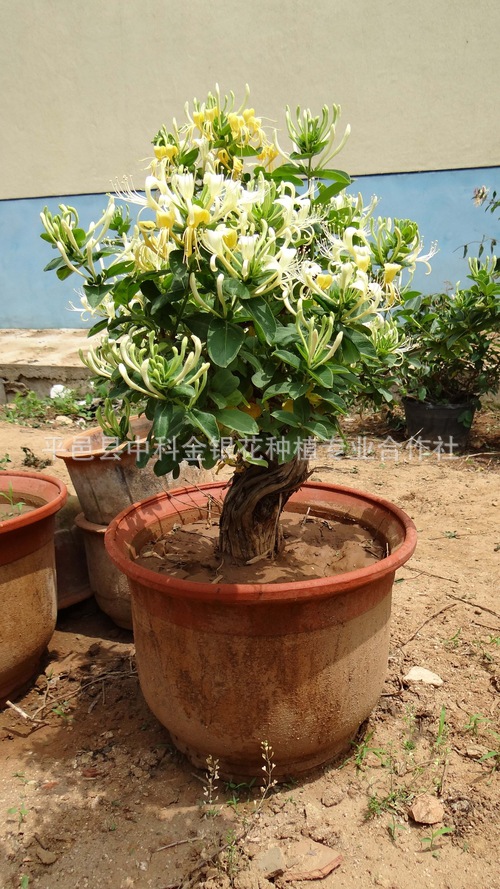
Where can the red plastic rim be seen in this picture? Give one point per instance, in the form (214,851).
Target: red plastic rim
(127,525)
(45,487)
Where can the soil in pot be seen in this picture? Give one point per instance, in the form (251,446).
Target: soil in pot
(315,547)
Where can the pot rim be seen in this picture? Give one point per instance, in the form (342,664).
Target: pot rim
(121,531)
(440,405)
(40,485)
(66,452)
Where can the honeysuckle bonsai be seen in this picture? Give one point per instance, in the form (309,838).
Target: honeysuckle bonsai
(245,306)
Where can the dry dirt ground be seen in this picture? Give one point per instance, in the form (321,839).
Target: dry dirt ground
(92,793)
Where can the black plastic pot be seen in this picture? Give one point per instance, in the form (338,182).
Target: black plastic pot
(436,425)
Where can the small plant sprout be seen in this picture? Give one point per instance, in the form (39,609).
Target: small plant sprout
(363,749)
(62,710)
(394,828)
(430,841)
(454,641)
(230,856)
(409,742)
(268,768)
(12,506)
(475,722)
(210,785)
(20,813)
(492,757)
(392,802)
(442,733)
(4,459)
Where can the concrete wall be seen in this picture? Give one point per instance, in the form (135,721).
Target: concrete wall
(84,87)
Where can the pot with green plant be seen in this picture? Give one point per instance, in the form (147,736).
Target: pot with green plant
(28,592)
(452,356)
(242,314)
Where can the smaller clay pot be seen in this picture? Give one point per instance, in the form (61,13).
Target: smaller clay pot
(106,480)
(108,584)
(71,563)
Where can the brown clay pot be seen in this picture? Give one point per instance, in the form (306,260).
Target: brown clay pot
(28,595)
(108,480)
(227,666)
(108,584)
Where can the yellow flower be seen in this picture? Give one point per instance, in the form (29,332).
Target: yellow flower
(223,157)
(165,219)
(230,238)
(268,154)
(166,151)
(324,281)
(390,271)
(237,167)
(146,226)
(199,216)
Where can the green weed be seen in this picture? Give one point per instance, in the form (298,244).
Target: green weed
(20,812)
(430,841)
(29,408)
(474,723)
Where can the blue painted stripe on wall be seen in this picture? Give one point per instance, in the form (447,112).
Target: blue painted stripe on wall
(441,202)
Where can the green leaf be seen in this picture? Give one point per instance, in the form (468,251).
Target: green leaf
(320,429)
(119,268)
(329,192)
(101,325)
(95,293)
(224,341)
(64,273)
(323,376)
(263,318)
(57,263)
(288,358)
(335,175)
(261,378)
(286,417)
(165,464)
(150,289)
(124,290)
(238,421)
(224,382)
(286,387)
(205,422)
(168,420)
(231,287)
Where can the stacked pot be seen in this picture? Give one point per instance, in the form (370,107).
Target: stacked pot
(106,480)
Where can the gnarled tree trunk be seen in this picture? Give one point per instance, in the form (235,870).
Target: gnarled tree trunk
(249,523)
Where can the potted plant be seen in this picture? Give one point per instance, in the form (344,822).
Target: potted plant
(452,356)
(237,313)
(28,504)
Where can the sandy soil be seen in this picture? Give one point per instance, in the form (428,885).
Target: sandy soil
(93,794)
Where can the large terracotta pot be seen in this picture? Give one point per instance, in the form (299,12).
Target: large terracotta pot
(28,595)
(227,666)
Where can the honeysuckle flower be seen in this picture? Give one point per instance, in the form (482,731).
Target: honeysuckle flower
(391,269)
(183,186)
(166,151)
